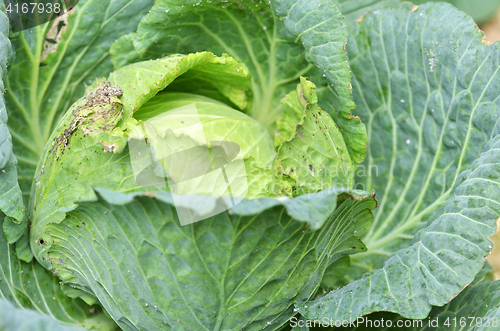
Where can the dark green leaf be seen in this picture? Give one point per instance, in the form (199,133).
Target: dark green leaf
(16,319)
(322,30)
(476,308)
(240,269)
(30,286)
(335,274)
(428,88)
(11,203)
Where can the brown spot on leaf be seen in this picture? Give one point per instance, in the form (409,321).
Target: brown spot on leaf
(54,36)
(58,261)
(107,147)
(103,95)
(99,101)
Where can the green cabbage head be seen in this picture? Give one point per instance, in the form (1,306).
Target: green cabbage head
(179,129)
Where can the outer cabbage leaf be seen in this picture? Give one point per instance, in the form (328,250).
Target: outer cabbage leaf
(30,286)
(11,203)
(476,308)
(428,88)
(321,28)
(240,269)
(15,319)
(42,85)
(253,34)
(481,300)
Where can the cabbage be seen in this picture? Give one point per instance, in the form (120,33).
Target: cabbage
(195,165)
